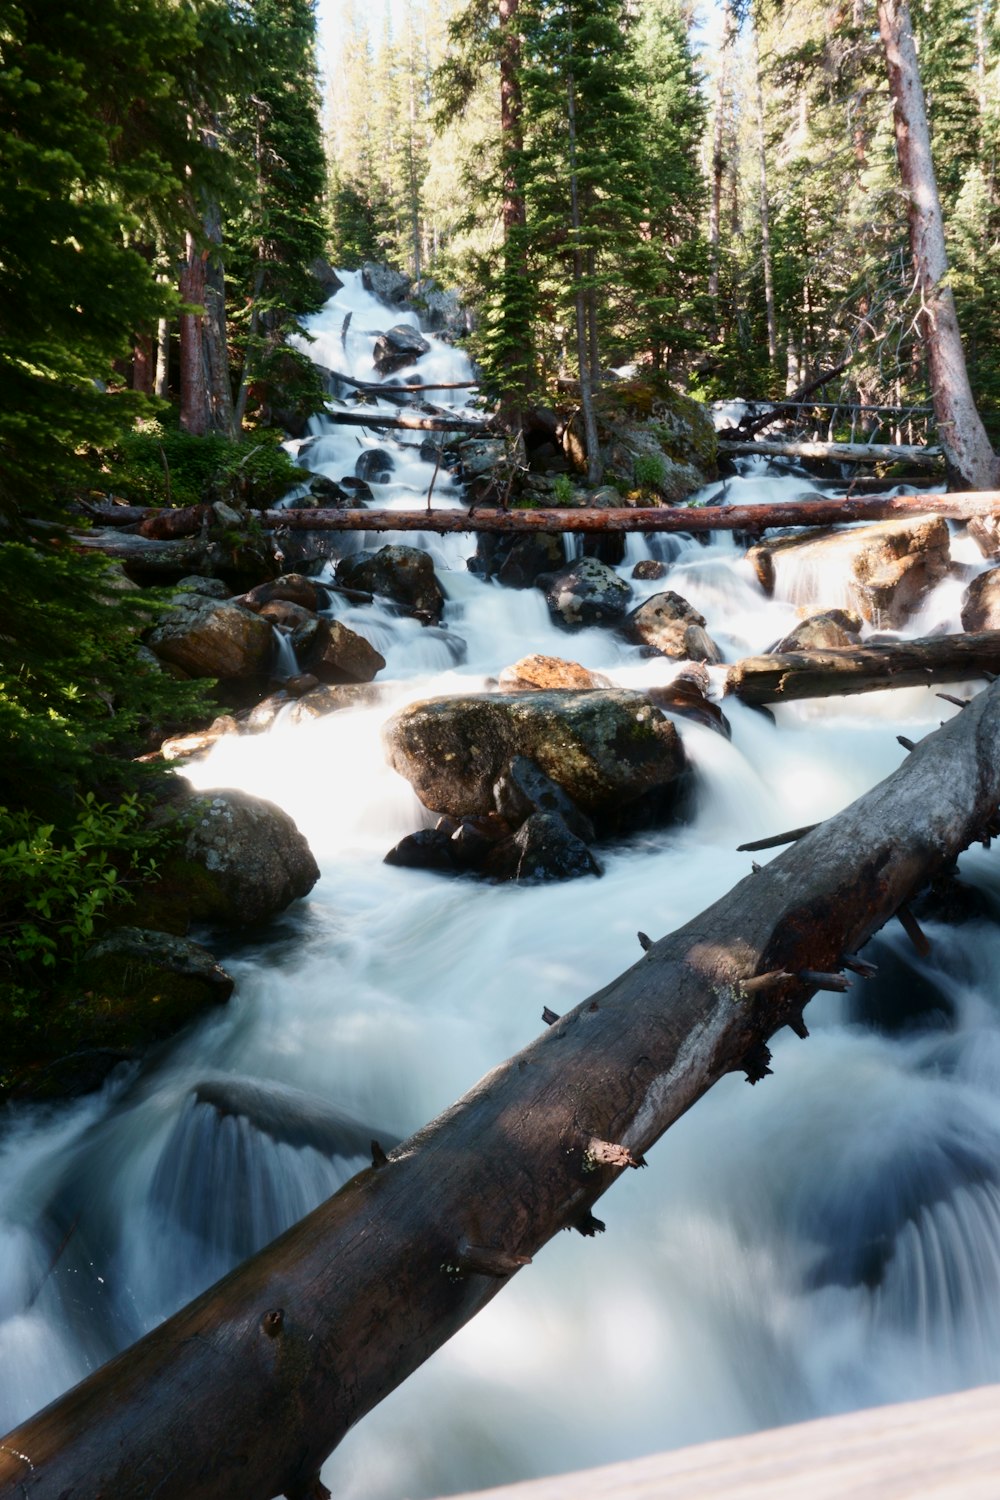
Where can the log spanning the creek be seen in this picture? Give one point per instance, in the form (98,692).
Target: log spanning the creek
(363,416)
(689,518)
(245,1391)
(853,453)
(788,675)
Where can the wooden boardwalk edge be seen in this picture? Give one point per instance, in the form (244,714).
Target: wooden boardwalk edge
(943,1446)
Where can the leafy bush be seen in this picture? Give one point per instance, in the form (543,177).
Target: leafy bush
(55,887)
(156,465)
(649,471)
(562,489)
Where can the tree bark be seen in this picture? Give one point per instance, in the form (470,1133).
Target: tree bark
(960,431)
(248,1389)
(748,518)
(194,414)
(583,345)
(790,675)
(855,453)
(765,207)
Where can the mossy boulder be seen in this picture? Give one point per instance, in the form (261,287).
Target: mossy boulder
(616,756)
(652,436)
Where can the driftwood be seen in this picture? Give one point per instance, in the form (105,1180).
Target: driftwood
(789,675)
(854,453)
(246,1391)
(361,417)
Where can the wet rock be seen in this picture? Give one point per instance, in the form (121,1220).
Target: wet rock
(403,574)
(321,700)
(981,602)
(607,547)
(387,285)
(328,493)
(142,985)
(294,588)
(402,345)
(440,310)
(473,839)
(648,570)
(333,653)
(375,466)
(242,861)
(586,592)
(359,490)
(428,849)
(542,849)
(208,637)
(481,455)
(281,612)
(525,789)
(615,755)
(834,627)
(212,588)
(322,271)
(889,566)
(672,627)
(520,560)
(300,684)
(183,746)
(689,695)
(541,673)
(263,714)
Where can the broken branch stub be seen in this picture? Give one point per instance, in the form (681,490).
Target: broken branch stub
(227,1399)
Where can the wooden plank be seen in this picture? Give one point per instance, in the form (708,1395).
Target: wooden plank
(945,1446)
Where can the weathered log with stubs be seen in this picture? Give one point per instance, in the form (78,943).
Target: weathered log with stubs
(367,417)
(788,675)
(853,453)
(246,1391)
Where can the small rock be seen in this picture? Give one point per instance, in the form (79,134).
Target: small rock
(672,627)
(541,673)
(293,588)
(542,849)
(834,627)
(649,569)
(333,653)
(587,592)
(375,466)
(212,588)
(402,345)
(404,574)
(429,849)
(281,612)
(525,789)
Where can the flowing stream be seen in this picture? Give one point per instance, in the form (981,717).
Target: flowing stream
(827,1240)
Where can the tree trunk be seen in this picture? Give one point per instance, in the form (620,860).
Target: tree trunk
(765,209)
(856,453)
(718,169)
(789,675)
(194,414)
(960,431)
(163,358)
(247,1390)
(594,466)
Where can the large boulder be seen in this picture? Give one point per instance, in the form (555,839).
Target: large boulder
(981,602)
(389,286)
(587,592)
(332,653)
(208,637)
(887,568)
(402,345)
(241,861)
(517,561)
(670,626)
(615,755)
(652,437)
(440,310)
(403,574)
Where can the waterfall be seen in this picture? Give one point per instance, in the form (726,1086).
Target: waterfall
(827,1240)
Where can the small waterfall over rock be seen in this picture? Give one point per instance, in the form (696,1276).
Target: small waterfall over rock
(828,1240)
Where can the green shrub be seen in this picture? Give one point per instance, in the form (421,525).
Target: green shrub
(562,489)
(649,471)
(156,465)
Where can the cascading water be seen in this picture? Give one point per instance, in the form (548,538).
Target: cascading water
(826,1241)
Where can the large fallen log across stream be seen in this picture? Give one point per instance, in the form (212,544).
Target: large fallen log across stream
(866,668)
(753,519)
(244,1392)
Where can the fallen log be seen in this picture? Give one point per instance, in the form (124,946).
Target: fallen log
(690,518)
(789,675)
(748,425)
(854,453)
(153,557)
(399,418)
(246,1391)
(376,386)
